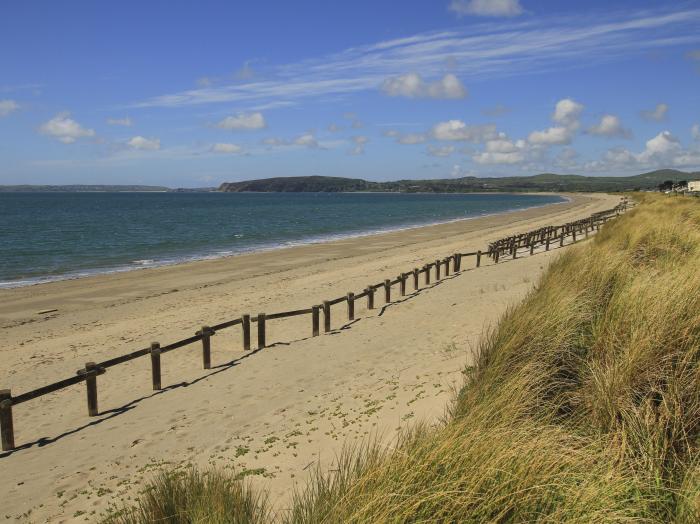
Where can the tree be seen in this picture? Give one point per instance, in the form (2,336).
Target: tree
(666,185)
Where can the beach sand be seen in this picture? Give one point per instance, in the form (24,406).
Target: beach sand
(274,414)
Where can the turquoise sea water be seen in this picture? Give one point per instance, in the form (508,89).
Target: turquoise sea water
(49,236)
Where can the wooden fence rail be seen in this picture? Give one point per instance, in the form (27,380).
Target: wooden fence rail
(509,245)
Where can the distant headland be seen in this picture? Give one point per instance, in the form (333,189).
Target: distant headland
(542,182)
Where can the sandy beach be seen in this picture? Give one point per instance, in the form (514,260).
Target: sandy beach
(274,414)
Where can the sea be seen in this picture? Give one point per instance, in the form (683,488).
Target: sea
(55,236)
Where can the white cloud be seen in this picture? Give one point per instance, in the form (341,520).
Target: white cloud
(441,151)
(663,150)
(65,129)
(120,121)
(226,148)
(8,106)
(275,142)
(411,138)
(412,85)
(551,136)
(144,144)
(306,140)
(359,142)
(620,156)
(486,7)
(660,148)
(687,159)
(310,141)
(458,130)
(567,113)
(502,150)
(610,126)
(204,81)
(244,121)
(657,114)
(334,128)
(695,132)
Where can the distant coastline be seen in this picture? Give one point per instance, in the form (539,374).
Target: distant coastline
(97,188)
(544,182)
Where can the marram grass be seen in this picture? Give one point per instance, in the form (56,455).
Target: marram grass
(583,406)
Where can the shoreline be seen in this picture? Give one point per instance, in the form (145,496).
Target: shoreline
(308,241)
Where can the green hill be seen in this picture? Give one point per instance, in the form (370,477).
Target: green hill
(541,182)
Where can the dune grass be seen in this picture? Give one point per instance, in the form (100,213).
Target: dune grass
(583,406)
(189,496)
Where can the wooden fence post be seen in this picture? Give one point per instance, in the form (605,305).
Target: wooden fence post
(458,262)
(206,346)
(245,323)
(447,266)
(387,291)
(573,233)
(261,331)
(561,239)
(91,383)
(351,306)
(495,258)
(427,274)
(315,310)
(7,430)
(478,258)
(370,297)
(546,245)
(326,316)
(437,270)
(155,365)
(415,279)
(532,248)
(402,284)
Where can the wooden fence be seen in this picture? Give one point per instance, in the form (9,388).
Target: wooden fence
(510,245)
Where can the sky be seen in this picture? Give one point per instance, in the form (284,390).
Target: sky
(193,94)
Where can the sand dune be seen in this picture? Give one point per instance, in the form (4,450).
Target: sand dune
(271,414)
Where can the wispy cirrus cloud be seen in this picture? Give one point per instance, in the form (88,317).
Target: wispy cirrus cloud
(486,50)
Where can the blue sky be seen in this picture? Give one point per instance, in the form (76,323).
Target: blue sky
(190,94)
